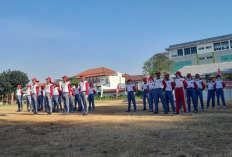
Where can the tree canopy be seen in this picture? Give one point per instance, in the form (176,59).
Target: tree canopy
(10,79)
(158,62)
(73,81)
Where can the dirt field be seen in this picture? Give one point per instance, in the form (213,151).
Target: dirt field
(110,131)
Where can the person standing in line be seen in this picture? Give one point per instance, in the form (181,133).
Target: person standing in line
(43,98)
(198,91)
(77,97)
(66,88)
(190,92)
(49,95)
(92,92)
(28,98)
(211,92)
(19,94)
(56,90)
(168,92)
(84,92)
(71,101)
(60,99)
(34,95)
(180,84)
(219,86)
(160,86)
(40,99)
(146,95)
(130,89)
(151,92)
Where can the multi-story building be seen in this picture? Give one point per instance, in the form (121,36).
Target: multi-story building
(205,51)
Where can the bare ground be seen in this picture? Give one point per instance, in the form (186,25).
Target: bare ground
(110,131)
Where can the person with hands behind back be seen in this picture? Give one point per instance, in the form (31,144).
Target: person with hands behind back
(49,95)
(130,88)
(146,95)
(84,92)
(35,95)
(66,89)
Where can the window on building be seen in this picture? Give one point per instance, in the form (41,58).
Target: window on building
(193,50)
(201,48)
(202,58)
(217,46)
(208,47)
(230,43)
(106,80)
(187,51)
(225,45)
(209,57)
(180,52)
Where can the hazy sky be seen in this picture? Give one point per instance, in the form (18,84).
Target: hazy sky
(65,37)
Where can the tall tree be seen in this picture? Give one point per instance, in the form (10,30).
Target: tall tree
(10,79)
(158,62)
(73,81)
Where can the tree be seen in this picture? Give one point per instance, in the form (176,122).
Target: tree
(158,62)
(73,80)
(10,79)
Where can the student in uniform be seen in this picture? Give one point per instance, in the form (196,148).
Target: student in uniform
(66,88)
(84,92)
(43,99)
(211,92)
(49,95)
(19,94)
(60,99)
(92,92)
(77,97)
(28,98)
(151,92)
(198,91)
(180,84)
(130,89)
(146,95)
(56,90)
(190,92)
(219,85)
(40,99)
(160,86)
(71,101)
(168,92)
(34,95)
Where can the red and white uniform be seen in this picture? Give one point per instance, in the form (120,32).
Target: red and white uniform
(170,85)
(152,85)
(56,90)
(160,83)
(49,89)
(40,91)
(35,90)
(28,92)
(130,88)
(210,85)
(66,87)
(43,92)
(219,83)
(92,91)
(191,84)
(180,84)
(145,86)
(19,92)
(71,92)
(200,84)
(84,87)
(77,90)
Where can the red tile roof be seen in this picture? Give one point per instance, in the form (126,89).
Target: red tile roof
(134,77)
(96,72)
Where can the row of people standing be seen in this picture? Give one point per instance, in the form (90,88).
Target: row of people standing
(48,98)
(162,89)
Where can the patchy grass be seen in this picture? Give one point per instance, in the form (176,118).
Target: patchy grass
(110,131)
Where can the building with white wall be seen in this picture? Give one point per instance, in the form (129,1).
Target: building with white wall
(205,51)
